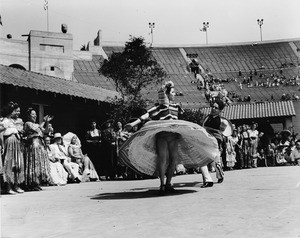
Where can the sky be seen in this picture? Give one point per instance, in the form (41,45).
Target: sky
(177,22)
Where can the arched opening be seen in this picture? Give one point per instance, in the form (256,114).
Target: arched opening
(17,66)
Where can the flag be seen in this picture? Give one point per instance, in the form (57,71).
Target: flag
(46,5)
(0,20)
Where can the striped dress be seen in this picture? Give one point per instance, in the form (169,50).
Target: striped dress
(196,147)
(165,112)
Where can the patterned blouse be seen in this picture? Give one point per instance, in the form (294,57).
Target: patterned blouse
(165,112)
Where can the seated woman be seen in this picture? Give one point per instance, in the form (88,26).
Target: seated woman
(82,160)
(58,174)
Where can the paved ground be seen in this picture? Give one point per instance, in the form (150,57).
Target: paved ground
(262,202)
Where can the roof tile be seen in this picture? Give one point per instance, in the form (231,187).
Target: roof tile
(23,78)
(257,110)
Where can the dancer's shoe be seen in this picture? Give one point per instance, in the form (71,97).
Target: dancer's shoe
(207,184)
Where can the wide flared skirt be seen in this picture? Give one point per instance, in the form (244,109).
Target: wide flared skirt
(13,165)
(37,165)
(196,147)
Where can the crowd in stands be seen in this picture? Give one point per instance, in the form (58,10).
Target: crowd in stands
(214,85)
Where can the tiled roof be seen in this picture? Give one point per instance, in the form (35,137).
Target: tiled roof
(257,110)
(28,79)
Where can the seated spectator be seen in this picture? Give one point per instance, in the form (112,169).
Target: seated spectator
(61,154)
(261,158)
(180,169)
(84,162)
(58,174)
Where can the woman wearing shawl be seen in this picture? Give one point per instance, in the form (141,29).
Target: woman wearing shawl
(166,141)
(37,167)
(84,162)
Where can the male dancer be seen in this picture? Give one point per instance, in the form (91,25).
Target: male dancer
(214,126)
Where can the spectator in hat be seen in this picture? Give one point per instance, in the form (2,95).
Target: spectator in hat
(109,149)
(58,174)
(60,154)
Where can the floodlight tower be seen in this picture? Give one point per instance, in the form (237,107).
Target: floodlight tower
(151,26)
(205,27)
(260,22)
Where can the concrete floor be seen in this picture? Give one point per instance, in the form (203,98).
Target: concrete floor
(262,202)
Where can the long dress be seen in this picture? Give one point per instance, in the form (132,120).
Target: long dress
(196,147)
(37,167)
(13,161)
(58,174)
(253,142)
(93,148)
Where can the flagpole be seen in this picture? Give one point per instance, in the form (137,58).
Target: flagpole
(46,7)
(47,19)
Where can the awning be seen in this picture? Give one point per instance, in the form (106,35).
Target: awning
(28,79)
(257,110)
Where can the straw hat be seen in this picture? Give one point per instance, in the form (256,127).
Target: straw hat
(57,135)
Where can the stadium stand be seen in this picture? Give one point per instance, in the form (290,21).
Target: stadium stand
(268,70)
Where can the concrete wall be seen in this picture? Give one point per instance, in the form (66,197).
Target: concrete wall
(14,52)
(51,53)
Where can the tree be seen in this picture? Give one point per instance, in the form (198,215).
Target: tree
(195,116)
(132,70)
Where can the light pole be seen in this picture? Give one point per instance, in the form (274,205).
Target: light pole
(151,26)
(260,22)
(205,27)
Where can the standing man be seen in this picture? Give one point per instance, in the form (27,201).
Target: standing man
(109,149)
(214,126)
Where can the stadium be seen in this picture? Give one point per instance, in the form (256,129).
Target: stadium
(259,79)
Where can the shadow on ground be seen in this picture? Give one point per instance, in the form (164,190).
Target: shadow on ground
(141,193)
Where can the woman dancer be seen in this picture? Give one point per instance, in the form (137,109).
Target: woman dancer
(13,166)
(37,167)
(166,141)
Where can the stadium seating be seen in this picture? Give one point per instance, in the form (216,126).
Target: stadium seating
(222,61)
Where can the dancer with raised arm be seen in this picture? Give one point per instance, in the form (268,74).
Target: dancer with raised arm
(166,141)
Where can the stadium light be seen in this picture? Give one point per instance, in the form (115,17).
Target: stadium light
(205,27)
(260,22)
(151,26)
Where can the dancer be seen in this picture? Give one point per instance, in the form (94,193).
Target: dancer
(162,143)
(214,126)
